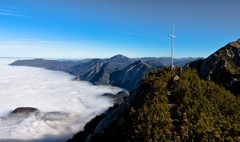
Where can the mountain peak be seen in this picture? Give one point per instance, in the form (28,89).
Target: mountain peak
(235,44)
(140,62)
(222,67)
(119,56)
(238,40)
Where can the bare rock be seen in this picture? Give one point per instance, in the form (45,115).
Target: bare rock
(24,110)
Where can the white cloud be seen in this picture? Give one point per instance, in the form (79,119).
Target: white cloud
(49,91)
(11,12)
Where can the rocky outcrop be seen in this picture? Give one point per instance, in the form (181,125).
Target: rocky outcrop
(119,97)
(222,67)
(24,110)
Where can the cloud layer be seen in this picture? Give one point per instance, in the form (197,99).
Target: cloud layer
(65,105)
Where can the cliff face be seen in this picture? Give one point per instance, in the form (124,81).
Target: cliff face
(222,67)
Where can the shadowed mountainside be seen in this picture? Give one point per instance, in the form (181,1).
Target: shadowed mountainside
(222,67)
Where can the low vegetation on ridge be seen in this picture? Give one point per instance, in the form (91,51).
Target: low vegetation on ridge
(173,106)
(184,109)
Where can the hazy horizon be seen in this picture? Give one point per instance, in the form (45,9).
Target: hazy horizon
(76,58)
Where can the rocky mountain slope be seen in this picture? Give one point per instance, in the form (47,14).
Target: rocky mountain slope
(222,67)
(118,70)
(169,106)
(130,75)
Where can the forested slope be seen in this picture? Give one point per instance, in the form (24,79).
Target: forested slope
(170,106)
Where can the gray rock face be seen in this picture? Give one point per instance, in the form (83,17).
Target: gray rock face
(119,97)
(222,67)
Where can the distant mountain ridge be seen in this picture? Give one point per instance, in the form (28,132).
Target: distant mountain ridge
(222,67)
(118,70)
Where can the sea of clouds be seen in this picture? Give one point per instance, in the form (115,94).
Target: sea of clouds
(65,106)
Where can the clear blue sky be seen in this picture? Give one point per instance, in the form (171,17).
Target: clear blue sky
(102,28)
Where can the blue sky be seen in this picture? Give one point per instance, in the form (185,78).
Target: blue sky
(103,28)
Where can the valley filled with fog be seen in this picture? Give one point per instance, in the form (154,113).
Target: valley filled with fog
(63,106)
